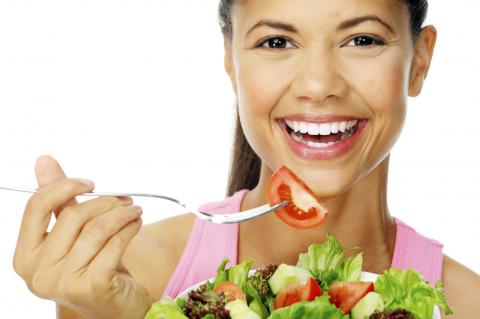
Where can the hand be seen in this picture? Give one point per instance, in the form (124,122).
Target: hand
(78,264)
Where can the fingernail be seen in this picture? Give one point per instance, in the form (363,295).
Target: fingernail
(125,199)
(87,182)
(136,209)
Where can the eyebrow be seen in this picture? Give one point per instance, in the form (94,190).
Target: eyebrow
(356,21)
(273,24)
(343,26)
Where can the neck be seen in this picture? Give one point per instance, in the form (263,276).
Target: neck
(358,217)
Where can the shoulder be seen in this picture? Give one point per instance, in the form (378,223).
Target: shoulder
(154,253)
(462,288)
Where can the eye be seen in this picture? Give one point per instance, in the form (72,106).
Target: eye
(275,43)
(364,41)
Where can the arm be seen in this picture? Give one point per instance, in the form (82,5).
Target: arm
(462,288)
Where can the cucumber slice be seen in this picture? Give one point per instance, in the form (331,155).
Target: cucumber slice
(240,310)
(367,305)
(287,275)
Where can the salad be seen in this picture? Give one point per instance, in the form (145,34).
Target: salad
(323,284)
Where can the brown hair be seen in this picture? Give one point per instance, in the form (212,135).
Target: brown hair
(245,166)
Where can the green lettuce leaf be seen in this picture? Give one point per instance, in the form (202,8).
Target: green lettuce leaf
(222,274)
(270,303)
(238,274)
(320,308)
(352,268)
(440,298)
(327,263)
(165,308)
(181,302)
(407,289)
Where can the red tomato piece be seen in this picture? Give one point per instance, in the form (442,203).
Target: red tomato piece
(298,292)
(232,290)
(346,294)
(280,300)
(304,209)
(311,291)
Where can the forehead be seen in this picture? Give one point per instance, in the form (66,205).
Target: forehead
(318,13)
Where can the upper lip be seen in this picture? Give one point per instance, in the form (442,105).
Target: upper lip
(314,118)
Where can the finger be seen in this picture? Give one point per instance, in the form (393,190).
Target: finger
(96,233)
(110,257)
(47,171)
(71,221)
(40,206)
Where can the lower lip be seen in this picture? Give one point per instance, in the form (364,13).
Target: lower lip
(339,148)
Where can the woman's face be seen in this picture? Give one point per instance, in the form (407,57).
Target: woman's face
(322,85)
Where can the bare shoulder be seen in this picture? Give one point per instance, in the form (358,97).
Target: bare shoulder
(462,288)
(154,253)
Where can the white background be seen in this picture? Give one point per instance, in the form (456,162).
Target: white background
(132,94)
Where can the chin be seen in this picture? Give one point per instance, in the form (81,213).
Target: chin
(328,184)
(329,191)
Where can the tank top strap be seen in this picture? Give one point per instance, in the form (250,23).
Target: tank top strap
(413,250)
(207,245)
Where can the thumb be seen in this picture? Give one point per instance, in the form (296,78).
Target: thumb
(48,170)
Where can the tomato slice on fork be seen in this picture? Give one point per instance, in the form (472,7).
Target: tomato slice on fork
(304,210)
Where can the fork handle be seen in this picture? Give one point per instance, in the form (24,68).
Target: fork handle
(28,190)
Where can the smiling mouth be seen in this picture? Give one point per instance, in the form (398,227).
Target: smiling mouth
(321,135)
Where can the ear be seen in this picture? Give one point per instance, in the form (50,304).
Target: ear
(228,63)
(421,60)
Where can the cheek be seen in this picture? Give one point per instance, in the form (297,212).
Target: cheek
(389,103)
(388,91)
(260,86)
(384,91)
(382,84)
(378,89)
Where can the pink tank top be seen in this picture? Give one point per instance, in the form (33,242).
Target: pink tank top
(209,243)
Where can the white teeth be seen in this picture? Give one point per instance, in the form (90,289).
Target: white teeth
(325,129)
(296,126)
(313,129)
(335,127)
(299,138)
(319,145)
(320,128)
(351,124)
(303,127)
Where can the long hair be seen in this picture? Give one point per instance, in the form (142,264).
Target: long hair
(245,166)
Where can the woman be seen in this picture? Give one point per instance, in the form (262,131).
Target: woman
(295,65)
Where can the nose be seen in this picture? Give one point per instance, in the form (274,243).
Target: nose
(318,79)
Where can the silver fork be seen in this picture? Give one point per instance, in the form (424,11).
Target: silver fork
(215,218)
